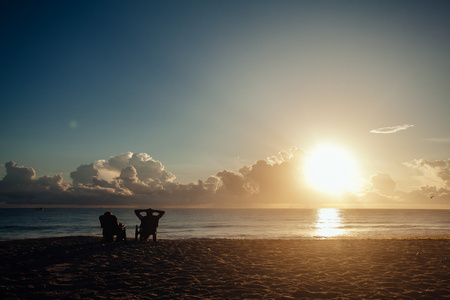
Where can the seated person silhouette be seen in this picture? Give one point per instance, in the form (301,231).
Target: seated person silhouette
(149,223)
(111,227)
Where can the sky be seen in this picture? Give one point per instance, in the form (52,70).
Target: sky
(223,103)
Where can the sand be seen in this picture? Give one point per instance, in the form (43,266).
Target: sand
(83,268)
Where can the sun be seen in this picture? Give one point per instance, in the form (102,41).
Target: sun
(331,170)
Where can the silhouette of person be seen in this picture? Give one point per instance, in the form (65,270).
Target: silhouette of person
(111,227)
(149,223)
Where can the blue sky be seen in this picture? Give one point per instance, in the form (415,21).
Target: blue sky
(206,86)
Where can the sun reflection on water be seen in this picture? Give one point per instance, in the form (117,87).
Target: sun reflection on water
(329,223)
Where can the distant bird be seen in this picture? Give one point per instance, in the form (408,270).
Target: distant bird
(431,197)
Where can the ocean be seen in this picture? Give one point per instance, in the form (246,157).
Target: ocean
(20,223)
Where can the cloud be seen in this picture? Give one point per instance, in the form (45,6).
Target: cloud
(16,174)
(383,183)
(140,180)
(129,174)
(383,193)
(20,186)
(437,171)
(233,182)
(147,168)
(84,174)
(393,129)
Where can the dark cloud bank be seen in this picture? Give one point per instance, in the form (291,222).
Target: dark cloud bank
(139,180)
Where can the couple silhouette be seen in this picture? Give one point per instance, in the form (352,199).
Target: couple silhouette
(149,224)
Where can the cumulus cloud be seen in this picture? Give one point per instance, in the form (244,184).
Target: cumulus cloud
(383,191)
(233,182)
(20,186)
(129,174)
(147,168)
(438,170)
(84,174)
(137,179)
(392,129)
(140,180)
(383,183)
(16,174)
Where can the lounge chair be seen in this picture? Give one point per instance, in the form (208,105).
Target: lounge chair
(148,227)
(112,228)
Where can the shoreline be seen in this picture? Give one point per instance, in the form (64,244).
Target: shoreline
(318,238)
(336,268)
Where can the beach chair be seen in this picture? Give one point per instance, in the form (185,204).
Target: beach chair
(112,228)
(148,227)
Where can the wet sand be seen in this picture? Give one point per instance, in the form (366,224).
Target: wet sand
(83,268)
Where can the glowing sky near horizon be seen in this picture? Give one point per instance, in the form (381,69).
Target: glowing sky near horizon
(206,86)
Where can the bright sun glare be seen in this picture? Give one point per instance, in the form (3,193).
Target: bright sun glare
(331,170)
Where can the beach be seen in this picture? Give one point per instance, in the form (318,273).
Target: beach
(82,267)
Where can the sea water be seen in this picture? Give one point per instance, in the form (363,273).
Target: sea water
(232,223)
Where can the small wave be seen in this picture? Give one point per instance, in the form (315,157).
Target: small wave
(222,226)
(26,228)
